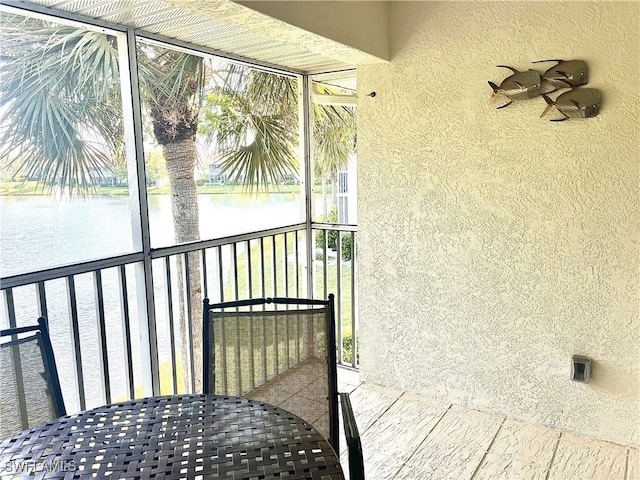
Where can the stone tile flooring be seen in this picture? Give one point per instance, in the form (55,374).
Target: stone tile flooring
(412,437)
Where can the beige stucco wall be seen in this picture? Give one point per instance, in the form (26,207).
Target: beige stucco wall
(493,244)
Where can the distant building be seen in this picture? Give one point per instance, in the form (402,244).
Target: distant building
(346,195)
(289,179)
(101,177)
(216,175)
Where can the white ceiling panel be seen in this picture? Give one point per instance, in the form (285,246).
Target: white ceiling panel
(218,25)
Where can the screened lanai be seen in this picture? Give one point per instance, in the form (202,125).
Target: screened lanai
(490,246)
(130,236)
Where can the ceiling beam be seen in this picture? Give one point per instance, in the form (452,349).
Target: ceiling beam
(340,100)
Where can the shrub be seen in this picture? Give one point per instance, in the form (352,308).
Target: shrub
(332,236)
(347,350)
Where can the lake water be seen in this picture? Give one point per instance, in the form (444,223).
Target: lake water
(38,232)
(43,232)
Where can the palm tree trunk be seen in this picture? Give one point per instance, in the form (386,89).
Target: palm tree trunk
(180,157)
(325,207)
(334,190)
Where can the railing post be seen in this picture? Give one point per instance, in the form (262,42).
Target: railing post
(355,344)
(42,300)
(126,330)
(338,296)
(10,308)
(76,352)
(101,323)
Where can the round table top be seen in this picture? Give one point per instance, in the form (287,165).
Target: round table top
(178,436)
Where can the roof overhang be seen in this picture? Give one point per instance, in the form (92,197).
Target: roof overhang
(226,28)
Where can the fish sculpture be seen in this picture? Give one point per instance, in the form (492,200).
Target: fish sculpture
(573,72)
(576,103)
(519,86)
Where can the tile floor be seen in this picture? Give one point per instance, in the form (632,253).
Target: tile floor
(412,437)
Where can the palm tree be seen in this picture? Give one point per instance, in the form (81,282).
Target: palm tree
(171,84)
(334,140)
(62,117)
(253,122)
(59,89)
(251,118)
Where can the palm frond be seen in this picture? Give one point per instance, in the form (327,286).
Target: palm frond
(267,160)
(55,84)
(334,138)
(270,93)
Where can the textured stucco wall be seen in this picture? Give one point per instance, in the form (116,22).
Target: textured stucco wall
(494,244)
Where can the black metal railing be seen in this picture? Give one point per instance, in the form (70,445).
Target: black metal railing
(99,311)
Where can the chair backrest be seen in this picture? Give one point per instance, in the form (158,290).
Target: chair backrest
(277,350)
(29,387)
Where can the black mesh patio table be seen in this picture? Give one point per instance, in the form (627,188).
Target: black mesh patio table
(171,437)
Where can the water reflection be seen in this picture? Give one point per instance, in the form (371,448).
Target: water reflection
(41,232)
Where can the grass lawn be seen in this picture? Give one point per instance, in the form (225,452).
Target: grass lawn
(293,289)
(343,309)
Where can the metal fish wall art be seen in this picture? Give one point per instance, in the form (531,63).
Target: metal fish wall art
(576,103)
(519,86)
(572,72)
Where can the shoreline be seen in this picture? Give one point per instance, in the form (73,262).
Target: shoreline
(8,189)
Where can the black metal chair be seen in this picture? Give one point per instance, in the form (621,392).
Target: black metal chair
(281,351)
(352,436)
(30,391)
